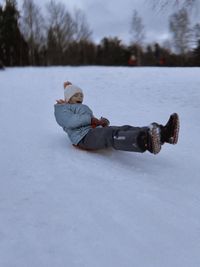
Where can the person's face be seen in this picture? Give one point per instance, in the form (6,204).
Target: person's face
(76,99)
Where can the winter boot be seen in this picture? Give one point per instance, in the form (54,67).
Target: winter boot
(170,132)
(150,139)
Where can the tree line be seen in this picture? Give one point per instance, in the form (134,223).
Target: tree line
(62,38)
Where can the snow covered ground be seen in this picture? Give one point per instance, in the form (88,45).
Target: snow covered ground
(60,206)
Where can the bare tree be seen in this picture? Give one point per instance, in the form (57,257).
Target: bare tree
(137,28)
(32,26)
(163,4)
(82,29)
(196,33)
(167,45)
(61,25)
(179,25)
(138,35)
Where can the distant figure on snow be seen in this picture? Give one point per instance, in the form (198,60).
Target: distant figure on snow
(89,133)
(132,60)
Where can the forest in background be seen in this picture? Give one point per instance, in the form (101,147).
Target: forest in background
(28,38)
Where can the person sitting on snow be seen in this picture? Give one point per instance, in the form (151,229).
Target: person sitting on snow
(87,132)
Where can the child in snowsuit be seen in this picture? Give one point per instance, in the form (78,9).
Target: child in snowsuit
(87,132)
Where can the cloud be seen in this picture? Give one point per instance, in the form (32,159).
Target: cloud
(111,18)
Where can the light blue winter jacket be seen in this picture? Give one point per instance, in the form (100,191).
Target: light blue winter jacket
(75,119)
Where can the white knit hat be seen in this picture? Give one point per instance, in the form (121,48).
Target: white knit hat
(70,90)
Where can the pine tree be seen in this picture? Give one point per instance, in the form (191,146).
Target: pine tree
(197,54)
(12,42)
(1,37)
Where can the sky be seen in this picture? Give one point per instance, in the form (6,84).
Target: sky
(112,18)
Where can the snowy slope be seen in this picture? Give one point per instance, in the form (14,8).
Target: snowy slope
(63,207)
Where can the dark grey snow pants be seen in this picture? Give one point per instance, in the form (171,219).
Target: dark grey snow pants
(126,138)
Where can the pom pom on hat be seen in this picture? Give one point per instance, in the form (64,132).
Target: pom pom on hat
(70,90)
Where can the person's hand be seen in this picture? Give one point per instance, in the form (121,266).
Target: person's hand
(61,101)
(104,122)
(95,122)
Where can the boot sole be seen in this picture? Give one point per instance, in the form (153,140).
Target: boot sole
(155,139)
(174,139)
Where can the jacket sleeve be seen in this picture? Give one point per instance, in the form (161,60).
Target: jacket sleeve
(70,120)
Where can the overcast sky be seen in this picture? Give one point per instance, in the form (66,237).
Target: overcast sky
(110,18)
